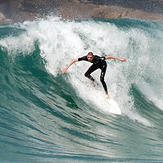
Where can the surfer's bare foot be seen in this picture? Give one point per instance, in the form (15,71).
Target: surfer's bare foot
(107,96)
(94,83)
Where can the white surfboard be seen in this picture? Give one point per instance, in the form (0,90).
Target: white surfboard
(108,105)
(96,96)
(113,106)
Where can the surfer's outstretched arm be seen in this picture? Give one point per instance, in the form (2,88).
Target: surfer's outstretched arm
(65,69)
(120,59)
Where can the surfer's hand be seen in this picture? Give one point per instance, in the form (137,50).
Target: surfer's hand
(123,60)
(64,70)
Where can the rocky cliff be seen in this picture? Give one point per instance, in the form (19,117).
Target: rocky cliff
(20,10)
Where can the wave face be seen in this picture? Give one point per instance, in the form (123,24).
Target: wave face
(49,117)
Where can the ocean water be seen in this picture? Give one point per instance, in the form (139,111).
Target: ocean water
(46,116)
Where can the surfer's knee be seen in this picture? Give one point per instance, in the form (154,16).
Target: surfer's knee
(87,75)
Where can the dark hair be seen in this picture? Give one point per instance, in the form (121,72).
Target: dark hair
(90,53)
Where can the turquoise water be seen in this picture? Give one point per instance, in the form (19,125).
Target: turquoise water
(49,117)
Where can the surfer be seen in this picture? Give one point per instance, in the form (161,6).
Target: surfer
(98,63)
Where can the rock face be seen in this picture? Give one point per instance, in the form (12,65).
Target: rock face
(20,10)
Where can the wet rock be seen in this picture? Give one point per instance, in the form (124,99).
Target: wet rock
(21,10)
(4,20)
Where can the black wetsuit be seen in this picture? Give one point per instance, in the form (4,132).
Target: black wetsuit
(98,62)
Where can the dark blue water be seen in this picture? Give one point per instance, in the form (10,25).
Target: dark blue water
(46,116)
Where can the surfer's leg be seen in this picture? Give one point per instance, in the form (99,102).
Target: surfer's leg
(103,70)
(89,71)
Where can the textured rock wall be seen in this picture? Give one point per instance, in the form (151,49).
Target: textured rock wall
(19,10)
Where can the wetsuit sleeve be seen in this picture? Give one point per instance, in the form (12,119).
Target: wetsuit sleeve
(83,58)
(102,58)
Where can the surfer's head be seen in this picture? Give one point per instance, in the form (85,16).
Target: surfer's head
(90,56)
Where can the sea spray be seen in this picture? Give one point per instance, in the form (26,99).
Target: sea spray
(49,116)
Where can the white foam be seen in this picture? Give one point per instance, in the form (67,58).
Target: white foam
(23,44)
(62,41)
